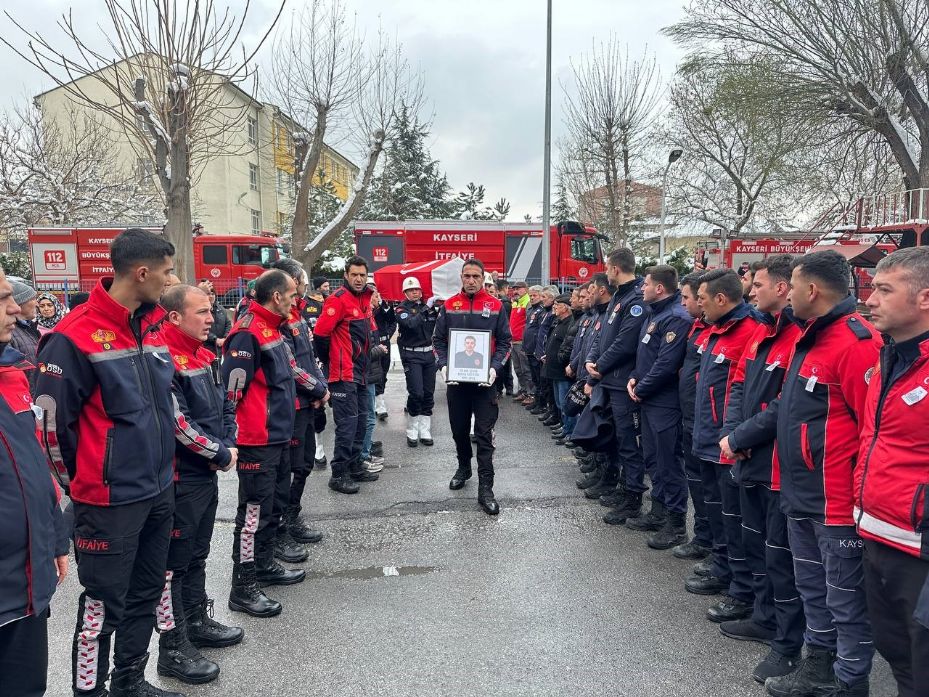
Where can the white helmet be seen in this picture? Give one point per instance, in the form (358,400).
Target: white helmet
(411,283)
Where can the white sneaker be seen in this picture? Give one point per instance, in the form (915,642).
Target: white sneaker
(375,460)
(371,467)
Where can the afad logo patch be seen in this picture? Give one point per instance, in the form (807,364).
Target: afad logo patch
(105,337)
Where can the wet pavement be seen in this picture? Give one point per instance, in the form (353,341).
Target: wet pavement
(415,591)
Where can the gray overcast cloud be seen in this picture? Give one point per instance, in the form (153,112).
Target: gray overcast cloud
(483,63)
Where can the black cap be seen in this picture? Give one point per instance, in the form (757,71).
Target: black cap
(318,282)
(564,298)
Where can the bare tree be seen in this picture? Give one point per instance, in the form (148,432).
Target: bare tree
(742,155)
(615,106)
(862,60)
(52,177)
(391,83)
(164,68)
(319,71)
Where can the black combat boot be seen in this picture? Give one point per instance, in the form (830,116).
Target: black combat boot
(178,658)
(459,478)
(652,521)
(774,665)
(588,465)
(344,484)
(814,676)
(673,532)
(269,573)
(299,530)
(286,548)
(377,448)
(729,610)
(246,596)
(591,478)
(609,478)
(629,509)
(615,498)
(691,550)
(205,632)
(703,568)
(485,497)
(129,681)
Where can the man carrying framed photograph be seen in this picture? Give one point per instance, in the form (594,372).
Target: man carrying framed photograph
(470,327)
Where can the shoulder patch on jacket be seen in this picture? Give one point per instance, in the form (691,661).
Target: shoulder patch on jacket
(858,329)
(246,320)
(635,310)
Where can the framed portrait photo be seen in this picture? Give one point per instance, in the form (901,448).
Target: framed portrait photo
(468,355)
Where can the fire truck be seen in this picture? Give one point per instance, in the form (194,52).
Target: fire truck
(514,250)
(74,259)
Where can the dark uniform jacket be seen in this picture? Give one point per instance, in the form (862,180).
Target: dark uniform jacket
(416,322)
(545,324)
(687,383)
(33,532)
(590,326)
(258,373)
(204,419)
(386,321)
(481,312)
(567,346)
(720,348)
(614,347)
(343,335)
(758,380)
(312,309)
(531,331)
(221,326)
(554,365)
(311,385)
(660,354)
(104,384)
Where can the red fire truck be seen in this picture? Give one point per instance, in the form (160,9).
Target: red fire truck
(74,259)
(514,250)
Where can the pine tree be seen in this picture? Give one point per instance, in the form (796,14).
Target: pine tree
(562,210)
(410,185)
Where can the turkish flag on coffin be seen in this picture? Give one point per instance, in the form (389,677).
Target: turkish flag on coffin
(441,278)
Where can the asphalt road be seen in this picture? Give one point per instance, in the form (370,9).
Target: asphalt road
(415,591)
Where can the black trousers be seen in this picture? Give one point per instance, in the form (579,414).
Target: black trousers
(122,554)
(185,580)
(728,550)
(627,455)
(419,367)
(255,524)
(24,656)
(465,400)
(350,413)
(317,425)
(893,582)
(767,554)
(664,460)
(535,369)
(301,453)
(702,534)
(505,378)
(379,386)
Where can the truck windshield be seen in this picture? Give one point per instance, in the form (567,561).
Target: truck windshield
(255,254)
(585,249)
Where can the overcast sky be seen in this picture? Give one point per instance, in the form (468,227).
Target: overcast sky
(483,62)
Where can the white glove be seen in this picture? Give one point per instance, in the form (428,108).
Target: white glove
(444,372)
(491,378)
(431,301)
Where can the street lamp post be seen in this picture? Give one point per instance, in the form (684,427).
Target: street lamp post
(673,157)
(547,166)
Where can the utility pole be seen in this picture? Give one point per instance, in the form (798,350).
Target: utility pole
(673,157)
(547,177)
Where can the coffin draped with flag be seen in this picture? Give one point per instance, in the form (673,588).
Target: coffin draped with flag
(440,278)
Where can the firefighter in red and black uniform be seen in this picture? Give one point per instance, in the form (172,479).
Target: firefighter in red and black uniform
(732,324)
(892,472)
(33,536)
(300,341)
(258,373)
(105,385)
(473,309)
(343,338)
(819,412)
(311,312)
(205,430)
(702,541)
(777,616)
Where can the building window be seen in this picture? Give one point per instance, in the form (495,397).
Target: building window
(284,182)
(256,221)
(146,171)
(252,177)
(252,130)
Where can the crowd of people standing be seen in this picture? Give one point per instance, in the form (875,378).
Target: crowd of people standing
(765,402)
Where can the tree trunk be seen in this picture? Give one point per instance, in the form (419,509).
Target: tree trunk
(350,208)
(305,169)
(627,195)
